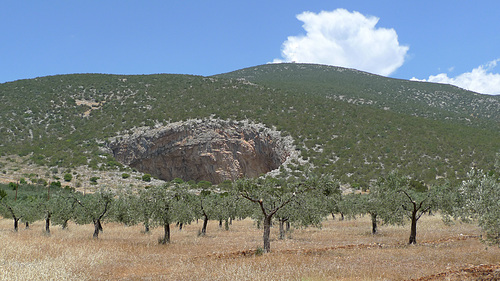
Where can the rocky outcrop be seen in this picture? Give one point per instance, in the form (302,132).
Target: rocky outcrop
(210,149)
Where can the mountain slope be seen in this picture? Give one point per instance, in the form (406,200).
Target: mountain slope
(430,100)
(341,120)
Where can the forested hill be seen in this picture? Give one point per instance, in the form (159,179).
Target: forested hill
(355,125)
(430,100)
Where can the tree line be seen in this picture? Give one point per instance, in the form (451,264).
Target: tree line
(285,201)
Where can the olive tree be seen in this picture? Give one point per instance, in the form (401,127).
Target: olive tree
(31,209)
(25,208)
(369,204)
(205,206)
(127,207)
(57,206)
(93,207)
(322,199)
(399,198)
(479,200)
(10,208)
(354,204)
(272,195)
(169,204)
(62,207)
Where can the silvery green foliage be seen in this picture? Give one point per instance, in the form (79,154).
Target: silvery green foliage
(163,205)
(169,204)
(61,207)
(397,196)
(401,199)
(93,206)
(31,209)
(479,198)
(25,208)
(12,209)
(303,202)
(128,207)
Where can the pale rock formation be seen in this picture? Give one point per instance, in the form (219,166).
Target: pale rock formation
(209,149)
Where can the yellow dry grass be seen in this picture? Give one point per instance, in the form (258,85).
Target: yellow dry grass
(340,250)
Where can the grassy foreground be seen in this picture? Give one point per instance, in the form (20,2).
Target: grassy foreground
(340,250)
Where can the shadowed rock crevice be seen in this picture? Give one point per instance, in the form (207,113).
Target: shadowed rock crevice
(210,149)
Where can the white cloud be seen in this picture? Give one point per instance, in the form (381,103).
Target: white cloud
(480,79)
(342,38)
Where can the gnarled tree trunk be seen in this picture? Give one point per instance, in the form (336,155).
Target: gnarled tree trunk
(413,233)
(97,228)
(267,233)
(204,227)
(166,234)
(16,224)
(64,225)
(282,222)
(374,223)
(47,223)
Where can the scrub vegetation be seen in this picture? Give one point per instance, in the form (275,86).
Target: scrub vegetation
(381,160)
(354,125)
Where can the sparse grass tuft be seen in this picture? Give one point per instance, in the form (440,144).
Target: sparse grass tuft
(259,251)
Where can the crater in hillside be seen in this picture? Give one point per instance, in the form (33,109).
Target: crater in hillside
(210,149)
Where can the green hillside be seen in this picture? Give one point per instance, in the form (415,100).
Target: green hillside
(430,100)
(350,123)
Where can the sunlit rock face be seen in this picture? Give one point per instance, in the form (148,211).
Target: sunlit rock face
(211,149)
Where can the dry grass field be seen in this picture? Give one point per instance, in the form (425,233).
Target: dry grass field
(340,250)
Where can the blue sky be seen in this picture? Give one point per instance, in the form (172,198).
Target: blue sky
(444,41)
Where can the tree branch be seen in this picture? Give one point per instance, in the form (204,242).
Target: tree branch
(423,212)
(282,205)
(10,210)
(408,195)
(105,209)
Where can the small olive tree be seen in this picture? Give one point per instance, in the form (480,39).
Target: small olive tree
(479,200)
(204,206)
(273,195)
(398,198)
(9,208)
(169,204)
(322,198)
(354,204)
(93,208)
(25,208)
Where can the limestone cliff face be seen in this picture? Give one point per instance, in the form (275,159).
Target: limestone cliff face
(213,150)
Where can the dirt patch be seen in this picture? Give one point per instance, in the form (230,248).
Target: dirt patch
(479,272)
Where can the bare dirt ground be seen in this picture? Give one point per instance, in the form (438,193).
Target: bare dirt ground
(340,250)
(479,272)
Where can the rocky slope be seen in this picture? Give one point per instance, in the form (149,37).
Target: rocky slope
(208,149)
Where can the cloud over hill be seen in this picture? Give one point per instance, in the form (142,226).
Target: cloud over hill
(347,39)
(480,79)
